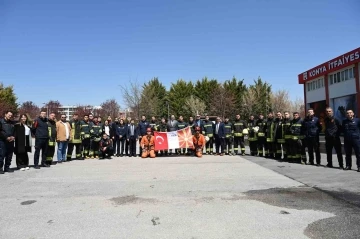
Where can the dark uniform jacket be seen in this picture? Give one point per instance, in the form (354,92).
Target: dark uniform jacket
(351,129)
(332,127)
(6,129)
(209,128)
(52,132)
(143,125)
(262,127)
(40,128)
(181,125)
(239,126)
(121,130)
(311,127)
(75,131)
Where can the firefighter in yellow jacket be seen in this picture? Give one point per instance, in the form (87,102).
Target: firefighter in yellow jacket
(147,144)
(52,139)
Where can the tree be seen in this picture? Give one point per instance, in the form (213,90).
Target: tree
(83,110)
(257,98)
(223,102)
(132,96)
(238,89)
(194,105)
(178,93)
(153,99)
(203,90)
(110,108)
(30,109)
(298,105)
(7,100)
(280,101)
(52,107)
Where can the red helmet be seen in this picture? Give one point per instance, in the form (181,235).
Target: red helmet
(197,128)
(148,130)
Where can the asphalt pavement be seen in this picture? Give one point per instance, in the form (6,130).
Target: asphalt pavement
(180,197)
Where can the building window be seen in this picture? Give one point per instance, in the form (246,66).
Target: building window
(315,84)
(344,75)
(331,78)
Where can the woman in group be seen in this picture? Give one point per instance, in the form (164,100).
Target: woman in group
(22,143)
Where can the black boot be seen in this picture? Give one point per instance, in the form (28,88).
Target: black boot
(347,168)
(1,171)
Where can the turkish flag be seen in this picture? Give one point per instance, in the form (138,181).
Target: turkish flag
(161,141)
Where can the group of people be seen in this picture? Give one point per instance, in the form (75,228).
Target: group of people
(278,137)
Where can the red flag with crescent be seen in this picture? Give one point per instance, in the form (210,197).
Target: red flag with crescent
(161,141)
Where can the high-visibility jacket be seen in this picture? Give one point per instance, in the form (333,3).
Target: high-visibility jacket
(199,141)
(209,127)
(154,126)
(75,131)
(163,127)
(262,127)
(181,125)
(239,126)
(270,130)
(148,142)
(295,129)
(85,129)
(52,132)
(252,134)
(286,129)
(229,129)
(96,132)
(278,131)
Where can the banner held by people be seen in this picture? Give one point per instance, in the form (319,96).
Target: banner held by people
(173,140)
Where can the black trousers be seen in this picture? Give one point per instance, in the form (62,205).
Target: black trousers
(239,141)
(270,149)
(261,145)
(210,145)
(286,148)
(330,143)
(120,144)
(41,145)
(349,145)
(127,147)
(70,150)
(219,142)
(6,153)
(253,147)
(108,151)
(228,145)
(85,145)
(132,146)
(22,160)
(50,151)
(296,150)
(95,145)
(278,152)
(313,145)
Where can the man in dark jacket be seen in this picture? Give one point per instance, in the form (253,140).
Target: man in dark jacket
(142,126)
(351,127)
(261,123)
(121,132)
(105,147)
(132,135)
(332,138)
(311,128)
(7,140)
(41,132)
(219,132)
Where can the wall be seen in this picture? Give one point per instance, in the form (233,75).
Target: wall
(342,89)
(315,95)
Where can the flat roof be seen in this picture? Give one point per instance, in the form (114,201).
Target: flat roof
(335,64)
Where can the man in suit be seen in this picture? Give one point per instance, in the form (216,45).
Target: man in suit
(132,135)
(219,136)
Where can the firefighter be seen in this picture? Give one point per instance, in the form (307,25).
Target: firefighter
(229,130)
(296,149)
(85,137)
(142,126)
(287,136)
(278,135)
(351,126)
(261,124)
(127,143)
(52,139)
(270,147)
(209,127)
(252,136)
(106,147)
(95,136)
(239,126)
(163,127)
(192,125)
(311,129)
(199,142)
(75,139)
(148,144)
(181,125)
(153,124)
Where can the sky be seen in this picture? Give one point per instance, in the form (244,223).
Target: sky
(79,52)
